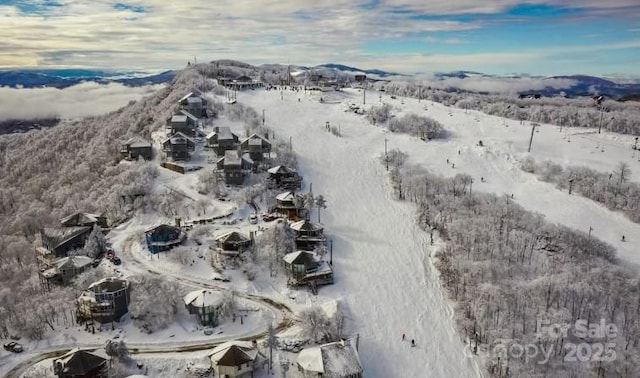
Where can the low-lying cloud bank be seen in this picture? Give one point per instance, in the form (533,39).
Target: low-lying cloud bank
(506,85)
(82,100)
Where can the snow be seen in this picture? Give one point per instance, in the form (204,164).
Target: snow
(337,359)
(381,260)
(203,298)
(382,263)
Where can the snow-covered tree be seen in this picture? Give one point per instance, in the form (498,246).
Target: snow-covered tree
(320,203)
(154,303)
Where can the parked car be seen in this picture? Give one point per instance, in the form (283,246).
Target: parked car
(116,260)
(14,347)
(221,277)
(253,219)
(269,217)
(110,254)
(95,262)
(208,331)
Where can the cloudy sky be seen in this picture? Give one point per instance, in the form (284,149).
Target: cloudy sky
(493,36)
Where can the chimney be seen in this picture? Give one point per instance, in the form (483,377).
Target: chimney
(266,135)
(178,221)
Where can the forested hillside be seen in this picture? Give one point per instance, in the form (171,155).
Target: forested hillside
(51,173)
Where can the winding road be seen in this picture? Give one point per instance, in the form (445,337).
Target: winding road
(281,312)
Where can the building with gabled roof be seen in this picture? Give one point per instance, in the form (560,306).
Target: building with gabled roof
(164,237)
(84,219)
(306,268)
(309,235)
(234,167)
(283,177)
(234,359)
(63,270)
(205,304)
(80,364)
(334,360)
(230,245)
(256,146)
(136,147)
(194,104)
(179,146)
(104,301)
(58,241)
(290,204)
(222,139)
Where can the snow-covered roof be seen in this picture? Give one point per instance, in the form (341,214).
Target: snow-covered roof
(231,157)
(233,353)
(179,118)
(74,261)
(293,256)
(108,285)
(246,157)
(77,262)
(189,115)
(180,138)
(333,360)
(194,100)
(224,133)
(232,236)
(286,196)
(80,218)
(305,225)
(185,97)
(58,236)
(203,298)
(138,141)
(280,169)
(255,137)
(79,362)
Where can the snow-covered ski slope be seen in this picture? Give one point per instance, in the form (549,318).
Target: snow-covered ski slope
(380,257)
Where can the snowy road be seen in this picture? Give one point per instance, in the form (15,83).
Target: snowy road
(380,258)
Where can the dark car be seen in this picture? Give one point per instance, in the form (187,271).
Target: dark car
(14,347)
(116,260)
(269,217)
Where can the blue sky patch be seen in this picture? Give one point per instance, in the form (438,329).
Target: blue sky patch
(129,7)
(33,7)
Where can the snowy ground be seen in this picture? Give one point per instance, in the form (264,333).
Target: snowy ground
(380,258)
(383,270)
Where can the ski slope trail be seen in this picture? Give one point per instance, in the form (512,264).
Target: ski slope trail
(380,257)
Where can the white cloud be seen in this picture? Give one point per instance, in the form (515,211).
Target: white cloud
(500,85)
(167,34)
(86,99)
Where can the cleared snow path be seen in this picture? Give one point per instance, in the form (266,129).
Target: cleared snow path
(381,259)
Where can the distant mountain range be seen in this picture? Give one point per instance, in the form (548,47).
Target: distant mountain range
(61,78)
(67,77)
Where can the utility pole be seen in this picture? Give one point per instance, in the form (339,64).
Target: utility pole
(533,129)
(570,185)
(290,143)
(262,117)
(600,125)
(331,252)
(364,94)
(470,186)
(590,229)
(386,156)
